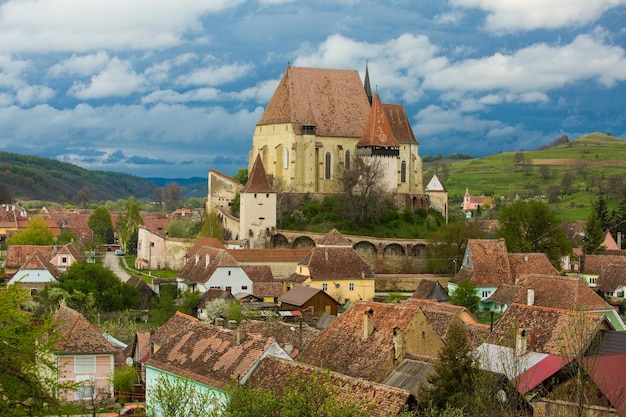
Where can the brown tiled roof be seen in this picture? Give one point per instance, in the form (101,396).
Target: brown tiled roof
(283,333)
(72,250)
(257,180)
(79,334)
(559,292)
(213,294)
(440,315)
(298,295)
(17,255)
(593,264)
(156,226)
(424,289)
(530,263)
(268,289)
(399,123)
(334,238)
(505,294)
(557,331)
(380,400)
(377,130)
(210,242)
(140,346)
(333,98)
(609,243)
(490,263)
(205,353)
(268,255)
(198,270)
(38,262)
(341,348)
(335,263)
(611,277)
(258,273)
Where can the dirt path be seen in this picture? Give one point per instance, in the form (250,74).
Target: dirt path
(112,262)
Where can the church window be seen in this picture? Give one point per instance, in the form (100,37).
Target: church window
(403,172)
(286,158)
(348,157)
(328,171)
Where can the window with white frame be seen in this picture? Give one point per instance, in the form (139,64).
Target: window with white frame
(86,390)
(485,293)
(592,280)
(324,287)
(85,364)
(286,157)
(351,286)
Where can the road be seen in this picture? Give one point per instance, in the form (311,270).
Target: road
(112,261)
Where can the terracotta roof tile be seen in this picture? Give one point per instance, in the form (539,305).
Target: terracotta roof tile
(593,264)
(268,255)
(334,99)
(38,262)
(530,263)
(205,353)
(488,265)
(377,130)
(258,273)
(334,238)
(17,255)
(380,400)
(257,180)
(399,123)
(283,333)
(559,292)
(79,334)
(611,277)
(335,262)
(204,263)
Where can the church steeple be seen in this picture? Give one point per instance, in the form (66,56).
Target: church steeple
(367,86)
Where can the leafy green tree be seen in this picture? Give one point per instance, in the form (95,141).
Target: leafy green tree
(100,224)
(27,365)
(531,227)
(66,236)
(242,176)
(180,397)
(35,233)
(465,295)
(455,374)
(109,293)
(129,223)
(594,234)
(447,246)
(183,228)
(235,207)
(124,378)
(212,227)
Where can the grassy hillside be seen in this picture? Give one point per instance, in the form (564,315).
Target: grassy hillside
(34,178)
(593,163)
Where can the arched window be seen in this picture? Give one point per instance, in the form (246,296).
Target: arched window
(348,157)
(403,172)
(286,157)
(328,164)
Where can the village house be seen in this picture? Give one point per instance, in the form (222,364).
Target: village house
(476,202)
(611,282)
(334,267)
(488,265)
(62,257)
(307,299)
(208,356)
(291,338)
(84,356)
(591,266)
(12,216)
(157,250)
(36,272)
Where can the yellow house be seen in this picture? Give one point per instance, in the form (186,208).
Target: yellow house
(334,267)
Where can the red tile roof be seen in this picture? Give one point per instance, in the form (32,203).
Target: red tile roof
(559,292)
(400,124)
(377,130)
(37,262)
(257,180)
(203,264)
(79,334)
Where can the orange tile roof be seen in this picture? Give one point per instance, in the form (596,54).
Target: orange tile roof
(399,123)
(202,265)
(79,334)
(377,130)
(333,99)
(257,180)
(530,263)
(268,255)
(559,292)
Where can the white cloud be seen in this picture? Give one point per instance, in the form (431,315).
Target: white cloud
(11,71)
(171,96)
(215,75)
(117,80)
(450,18)
(514,15)
(160,72)
(34,94)
(80,26)
(535,69)
(80,65)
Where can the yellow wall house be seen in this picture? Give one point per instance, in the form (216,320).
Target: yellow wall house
(334,267)
(311,128)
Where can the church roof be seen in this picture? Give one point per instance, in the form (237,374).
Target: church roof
(257,181)
(334,98)
(399,122)
(378,131)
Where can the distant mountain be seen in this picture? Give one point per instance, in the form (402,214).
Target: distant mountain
(34,178)
(189,187)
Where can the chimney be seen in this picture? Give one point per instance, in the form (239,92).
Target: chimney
(530,297)
(368,323)
(207,260)
(521,344)
(232,324)
(398,335)
(240,336)
(526,258)
(197,258)
(219,321)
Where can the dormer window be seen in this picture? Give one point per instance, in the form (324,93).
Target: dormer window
(308,130)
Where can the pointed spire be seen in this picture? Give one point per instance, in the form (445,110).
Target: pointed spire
(366,84)
(377,130)
(257,180)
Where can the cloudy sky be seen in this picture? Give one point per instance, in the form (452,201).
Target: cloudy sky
(174,88)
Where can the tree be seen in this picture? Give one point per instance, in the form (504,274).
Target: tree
(100,224)
(594,234)
(455,374)
(128,224)
(66,236)
(83,196)
(35,233)
(5,194)
(27,365)
(171,196)
(465,295)
(173,396)
(531,227)
(447,245)
(242,176)
(212,226)
(124,378)
(362,188)
(185,228)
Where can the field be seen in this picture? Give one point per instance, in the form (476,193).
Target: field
(593,163)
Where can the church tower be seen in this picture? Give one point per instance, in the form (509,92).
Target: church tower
(257,207)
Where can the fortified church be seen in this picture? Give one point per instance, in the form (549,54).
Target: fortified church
(319,122)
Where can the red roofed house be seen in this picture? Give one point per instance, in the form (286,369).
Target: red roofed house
(85,356)
(300,298)
(477,202)
(35,273)
(208,356)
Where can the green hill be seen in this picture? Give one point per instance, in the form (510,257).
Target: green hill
(570,175)
(34,178)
